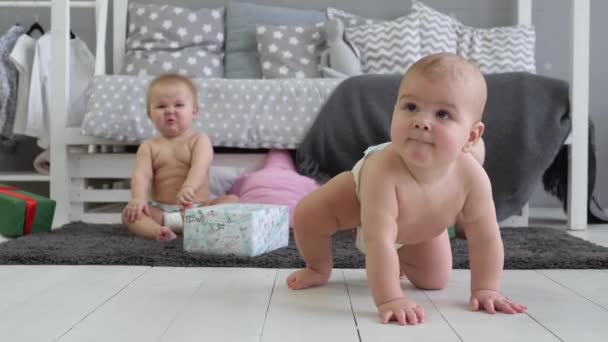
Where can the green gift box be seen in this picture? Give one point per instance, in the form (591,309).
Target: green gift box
(23,213)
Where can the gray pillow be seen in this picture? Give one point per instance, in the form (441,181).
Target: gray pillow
(349,19)
(437,30)
(291,51)
(498,49)
(389,47)
(164,38)
(242,59)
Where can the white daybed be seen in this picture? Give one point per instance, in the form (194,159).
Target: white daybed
(74,162)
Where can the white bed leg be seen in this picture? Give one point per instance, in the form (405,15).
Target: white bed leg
(579,95)
(60,74)
(77,205)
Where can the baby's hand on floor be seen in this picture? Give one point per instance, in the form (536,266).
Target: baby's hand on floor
(185,197)
(401,310)
(134,209)
(492,301)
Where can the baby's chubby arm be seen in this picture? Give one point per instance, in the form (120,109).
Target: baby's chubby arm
(140,183)
(202,156)
(379,211)
(486,252)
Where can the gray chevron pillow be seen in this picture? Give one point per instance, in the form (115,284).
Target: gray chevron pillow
(438,31)
(388,47)
(349,19)
(498,49)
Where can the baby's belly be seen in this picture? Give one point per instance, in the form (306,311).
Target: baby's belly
(412,234)
(166,192)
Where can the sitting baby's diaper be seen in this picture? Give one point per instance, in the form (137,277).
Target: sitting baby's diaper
(236,228)
(172,217)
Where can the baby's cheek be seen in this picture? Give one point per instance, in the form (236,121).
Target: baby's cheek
(398,130)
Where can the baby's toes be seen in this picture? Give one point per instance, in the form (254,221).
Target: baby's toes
(166,235)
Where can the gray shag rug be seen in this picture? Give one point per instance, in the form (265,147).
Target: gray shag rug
(86,244)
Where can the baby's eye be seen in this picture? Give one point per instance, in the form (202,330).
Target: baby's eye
(179,105)
(442,114)
(411,107)
(160,106)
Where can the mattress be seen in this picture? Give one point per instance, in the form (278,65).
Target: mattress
(244,113)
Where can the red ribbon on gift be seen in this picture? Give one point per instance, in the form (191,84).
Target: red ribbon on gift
(30,206)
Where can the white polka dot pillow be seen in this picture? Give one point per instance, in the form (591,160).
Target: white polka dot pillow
(163,38)
(291,51)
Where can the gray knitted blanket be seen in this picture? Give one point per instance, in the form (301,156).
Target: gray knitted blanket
(526,117)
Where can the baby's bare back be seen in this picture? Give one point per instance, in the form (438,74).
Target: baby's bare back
(171,162)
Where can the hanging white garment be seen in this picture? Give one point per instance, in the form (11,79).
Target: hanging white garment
(82,68)
(42,163)
(22,57)
(8,83)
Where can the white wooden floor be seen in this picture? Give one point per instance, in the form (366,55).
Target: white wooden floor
(119,303)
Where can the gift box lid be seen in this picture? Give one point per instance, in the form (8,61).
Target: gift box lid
(229,212)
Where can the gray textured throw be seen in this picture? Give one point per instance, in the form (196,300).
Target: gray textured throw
(526,117)
(84,244)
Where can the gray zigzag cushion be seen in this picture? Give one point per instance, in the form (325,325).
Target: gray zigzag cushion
(498,49)
(388,47)
(349,19)
(163,38)
(437,30)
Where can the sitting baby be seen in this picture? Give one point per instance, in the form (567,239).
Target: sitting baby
(174,166)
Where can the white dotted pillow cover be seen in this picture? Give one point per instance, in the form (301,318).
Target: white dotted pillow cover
(163,38)
(291,51)
(245,113)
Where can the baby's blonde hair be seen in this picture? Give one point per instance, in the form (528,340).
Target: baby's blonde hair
(166,79)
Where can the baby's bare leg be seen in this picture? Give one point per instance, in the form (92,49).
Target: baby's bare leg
(427,265)
(150,227)
(317,217)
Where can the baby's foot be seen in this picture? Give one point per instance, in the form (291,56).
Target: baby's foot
(306,278)
(166,235)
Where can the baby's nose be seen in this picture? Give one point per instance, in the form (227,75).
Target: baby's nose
(422,124)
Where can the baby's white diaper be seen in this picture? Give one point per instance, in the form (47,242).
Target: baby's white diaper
(172,217)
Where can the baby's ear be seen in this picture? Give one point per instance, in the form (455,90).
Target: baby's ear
(474,135)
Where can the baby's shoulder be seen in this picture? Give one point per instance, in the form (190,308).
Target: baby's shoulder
(472,172)
(149,144)
(198,136)
(384,166)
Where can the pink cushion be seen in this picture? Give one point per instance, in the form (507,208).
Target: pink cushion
(276,183)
